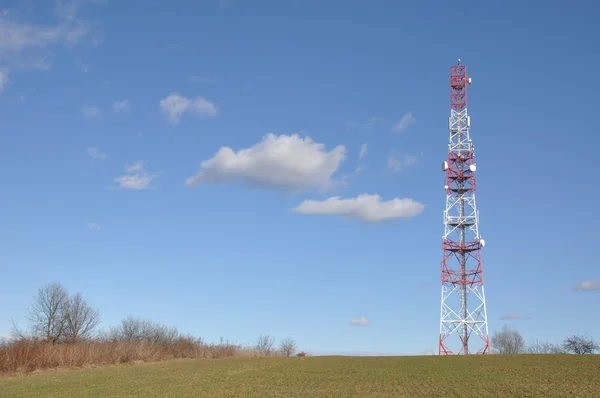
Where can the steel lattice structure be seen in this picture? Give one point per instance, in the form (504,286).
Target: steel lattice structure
(463,310)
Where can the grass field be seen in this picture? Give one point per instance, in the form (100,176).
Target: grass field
(427,376)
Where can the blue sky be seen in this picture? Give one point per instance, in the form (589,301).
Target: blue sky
(109,110)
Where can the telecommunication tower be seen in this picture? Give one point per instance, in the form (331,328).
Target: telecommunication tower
(463,311)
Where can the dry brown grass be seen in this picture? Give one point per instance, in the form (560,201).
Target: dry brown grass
(28,355)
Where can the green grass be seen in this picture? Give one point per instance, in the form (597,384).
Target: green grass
(428,376)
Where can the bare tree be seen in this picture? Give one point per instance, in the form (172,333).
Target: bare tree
(81,320)
(47,312)
(288,347)
(580,345)
(264,345)
(508,342)
(136,329)
(544,347)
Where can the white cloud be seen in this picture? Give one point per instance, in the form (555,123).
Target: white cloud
(200,79)
(405,122)
(588,286)
(175,105)
(359,322)
(94,226)
(373,121)
(89,111)
(398,161)
(24,44)
(365,207)
(363,151)
(285,161)
(121,106)
(4,80)
(137,178)
(96,154)
(394,164)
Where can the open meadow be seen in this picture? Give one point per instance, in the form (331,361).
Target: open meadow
(425,376)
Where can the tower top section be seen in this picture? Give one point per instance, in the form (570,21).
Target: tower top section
(459,81)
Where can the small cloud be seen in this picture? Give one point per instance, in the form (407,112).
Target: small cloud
(373,121)
(359,322)
(394,164)
(175,105)
(94,226)
(351,123)
(121,106)
(404,123)
(360,169)
(363,151)
(364,207)
(96,154)
(398,161)
(199,79)
(137,178)
(90,112)
(4,80)
(588,286)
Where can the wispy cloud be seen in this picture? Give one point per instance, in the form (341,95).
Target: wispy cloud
(399,161)
(90,112)
(175,106)
(95,153)
(588,286)
(121,106)
(136,177)
(4,80)
(93,226)
(359,322)
(26,44)
(363,151)
(406,121)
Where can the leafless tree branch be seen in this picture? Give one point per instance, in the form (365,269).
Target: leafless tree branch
(288,347)
(508,342)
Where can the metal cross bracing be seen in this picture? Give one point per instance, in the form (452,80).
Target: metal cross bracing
(463,316)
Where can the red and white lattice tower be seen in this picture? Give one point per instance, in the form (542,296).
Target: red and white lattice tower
(463,318)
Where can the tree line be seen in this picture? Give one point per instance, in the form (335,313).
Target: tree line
(64,330)
(508,341)
(56,316)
